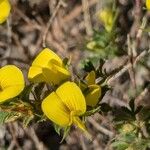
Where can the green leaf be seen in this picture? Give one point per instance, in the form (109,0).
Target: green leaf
(132,105)
(65,133)
(91,112)
(105,107)
(8,116)
(88,67)
(57,129)
(38,90)
(65,61)
(104,89)
(122,114)
(128,137)
(119,145)
(138,109)
(60,130)
(27,120)
(26,92)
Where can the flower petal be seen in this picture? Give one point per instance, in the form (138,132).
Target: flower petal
(93,95)
(41,61)
(148,4)
(55,74)
(35,74)
(77,121)
(4,10)
(10,92)
(11,82)
(90,78)
(72,97)
(55,110)
(106,16)
(44,57)
(10,75)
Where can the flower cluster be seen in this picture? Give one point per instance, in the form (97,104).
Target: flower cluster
(67,102)
(64,105)
(68,99)
(106,16)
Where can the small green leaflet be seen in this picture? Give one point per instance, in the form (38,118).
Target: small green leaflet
(8,116)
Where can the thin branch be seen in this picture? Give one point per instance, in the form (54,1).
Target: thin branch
(100,128)
(87,20)
(60,3)
(126,67)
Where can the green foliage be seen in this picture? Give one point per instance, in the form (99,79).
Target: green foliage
(130,141)
(127,113)
(128,120)
(62,131)
(88,66)
(92,111)
(27,120)
(26,92)
(103,44)
(8,116)
(38,90)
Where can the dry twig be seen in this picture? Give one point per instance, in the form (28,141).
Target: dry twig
(60,3)
(126,67)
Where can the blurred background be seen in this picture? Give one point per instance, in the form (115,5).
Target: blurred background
(75,29)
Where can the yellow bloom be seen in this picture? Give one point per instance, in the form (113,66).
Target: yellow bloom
(93,91)
(148,4)
(127,128)
(11,82)
(90,78)
(4,10)
(65,105)
(106,16)
(48,67)
(91,45)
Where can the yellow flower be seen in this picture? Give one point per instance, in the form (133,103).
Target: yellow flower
(48,67)
(4,10)
(65,105)
(127,128)
(11,82)
(90,78)
(91,45)
(148,4)
(106,16)
(93,91)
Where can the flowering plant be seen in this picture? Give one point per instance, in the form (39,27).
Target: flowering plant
(54,92)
